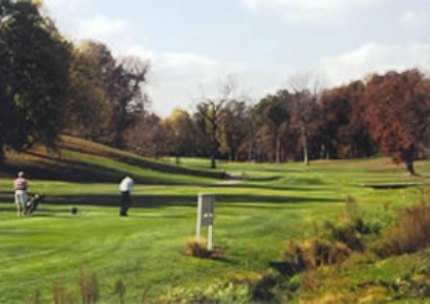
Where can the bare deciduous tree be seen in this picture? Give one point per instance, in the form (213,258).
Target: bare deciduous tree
(127,94)
(211,108)
(307,89)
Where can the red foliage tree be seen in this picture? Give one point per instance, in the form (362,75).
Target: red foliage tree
(398,111)
(344,132)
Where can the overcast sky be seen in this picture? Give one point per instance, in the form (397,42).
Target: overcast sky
(194,44)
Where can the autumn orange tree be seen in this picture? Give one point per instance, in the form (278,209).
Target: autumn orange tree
(335,110)
(178,132)
(398,111)
(355,136)
(344,132)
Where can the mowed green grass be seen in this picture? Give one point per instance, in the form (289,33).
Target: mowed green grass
(255,219)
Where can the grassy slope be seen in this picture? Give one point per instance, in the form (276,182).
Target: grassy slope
(82,161)
(254,220)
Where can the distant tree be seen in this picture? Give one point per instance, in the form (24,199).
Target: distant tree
(398,111)
(201,135)
(335,112)
(106,95)
(234,128)
(306,90)
(274,113)
(250,143)
(146,137)
(89,111)
(34,63)
(355,135)
(178,128)
(125,89)
(344,132)
(211,109)
(306,118)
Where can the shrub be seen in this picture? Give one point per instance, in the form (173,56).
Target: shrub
(312,254)
(321,252)
(351,209)
(60,294)
(120,291)
(410,234)
(89,288)
(349,234)
(144,296)
(199,249)
(414,286)
(225,292)
(196,248)
(36,298)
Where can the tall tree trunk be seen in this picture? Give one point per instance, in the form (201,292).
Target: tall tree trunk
(215,143)
(322,152)
(278,149)
(305,147)
(408,157)
(251,151)
(120,127)
(213,161)
(2,154)
(178,159)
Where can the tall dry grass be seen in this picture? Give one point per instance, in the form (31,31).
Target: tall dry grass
(60,294)
(196,248)
(411,232)
(312,254)
(89,287)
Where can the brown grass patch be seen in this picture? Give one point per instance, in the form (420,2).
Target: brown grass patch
(410,234)
(196,248)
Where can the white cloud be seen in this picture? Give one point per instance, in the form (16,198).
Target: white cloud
(195,66)
(117,33)
(64,12)
(306,9)
(64,5)
(374,57)
(179,78)
(175,78)
(416,19)
(103,27)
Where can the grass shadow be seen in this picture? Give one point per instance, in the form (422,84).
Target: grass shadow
(149,164)
(262,187)
(61,169)
(160,201)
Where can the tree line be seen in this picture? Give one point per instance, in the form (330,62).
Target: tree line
(51,86)
(382,114)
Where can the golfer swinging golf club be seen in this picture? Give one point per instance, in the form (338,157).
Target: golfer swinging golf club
(125,188)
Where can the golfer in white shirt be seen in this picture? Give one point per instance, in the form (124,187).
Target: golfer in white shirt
(125,188)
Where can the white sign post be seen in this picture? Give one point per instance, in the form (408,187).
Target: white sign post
(205,217)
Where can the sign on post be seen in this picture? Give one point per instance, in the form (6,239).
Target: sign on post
(205,216)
